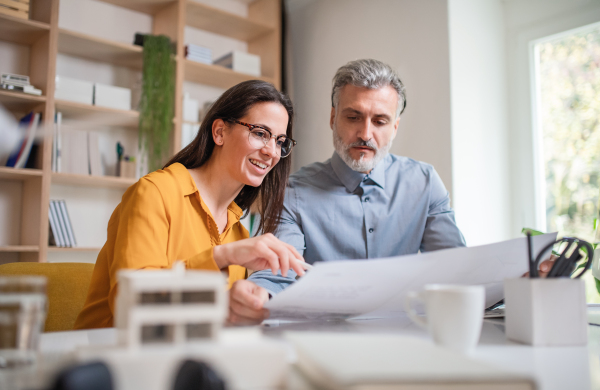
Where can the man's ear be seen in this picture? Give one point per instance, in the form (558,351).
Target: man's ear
(218,131)
(396,127)
(332,118)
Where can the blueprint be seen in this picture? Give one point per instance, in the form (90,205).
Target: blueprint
(376,288)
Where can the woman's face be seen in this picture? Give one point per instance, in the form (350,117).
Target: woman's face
(247,163)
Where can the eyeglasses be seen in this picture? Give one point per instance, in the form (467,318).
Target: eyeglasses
(260,136)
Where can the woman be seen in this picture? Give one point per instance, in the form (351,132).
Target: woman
(190,209)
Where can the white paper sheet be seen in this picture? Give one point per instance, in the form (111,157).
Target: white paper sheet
(376,288)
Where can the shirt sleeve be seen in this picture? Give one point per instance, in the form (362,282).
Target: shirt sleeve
(143,234)
(441,231)
(290,232)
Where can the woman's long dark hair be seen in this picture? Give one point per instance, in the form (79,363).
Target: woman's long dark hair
(234,104)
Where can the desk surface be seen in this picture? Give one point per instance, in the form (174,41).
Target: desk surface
(555,368)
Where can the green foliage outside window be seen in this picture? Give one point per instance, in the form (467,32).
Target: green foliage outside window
(569,93)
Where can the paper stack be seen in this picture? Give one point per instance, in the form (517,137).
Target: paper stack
(19,83)
(198,54)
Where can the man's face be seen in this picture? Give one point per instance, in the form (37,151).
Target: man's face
(364,125)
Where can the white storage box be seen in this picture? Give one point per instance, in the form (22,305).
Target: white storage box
(112,97)
(546,312)
(73,90)
(241,62)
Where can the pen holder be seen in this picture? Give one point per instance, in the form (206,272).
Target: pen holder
(546,312)
(127,169)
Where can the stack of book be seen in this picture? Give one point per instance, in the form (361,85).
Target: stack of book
(25,152)
(61,231)
(18,83)
(75,151)
(198,54)
(16,8)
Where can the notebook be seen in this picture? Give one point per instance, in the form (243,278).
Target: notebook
(340,361)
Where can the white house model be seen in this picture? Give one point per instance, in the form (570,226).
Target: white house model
(175,306)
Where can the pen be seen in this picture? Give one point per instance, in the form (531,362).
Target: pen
(305,266)
(532,264)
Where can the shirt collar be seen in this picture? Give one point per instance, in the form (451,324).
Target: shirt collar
(188,186)
(352,179)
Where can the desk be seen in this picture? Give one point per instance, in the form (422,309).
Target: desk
(554,368)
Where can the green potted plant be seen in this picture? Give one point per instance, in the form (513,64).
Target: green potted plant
(157,100)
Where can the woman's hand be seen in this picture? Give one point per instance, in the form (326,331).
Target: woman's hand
(260,253)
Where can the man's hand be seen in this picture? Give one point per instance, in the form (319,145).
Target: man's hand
(246,301)
(260,253)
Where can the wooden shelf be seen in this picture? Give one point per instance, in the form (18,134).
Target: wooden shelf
(217,21)
(99,49)
(145,6)
(71,179)
(96,115)
(217,76)
(19,174)
(21,31)
(20,248)
(75,249)
(20,101)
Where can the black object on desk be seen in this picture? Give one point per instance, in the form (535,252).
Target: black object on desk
(566,263)
(194,375)
(91,376)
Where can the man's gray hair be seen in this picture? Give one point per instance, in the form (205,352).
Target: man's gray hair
(368,73)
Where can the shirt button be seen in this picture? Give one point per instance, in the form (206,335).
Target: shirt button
(371,230)
(367,199)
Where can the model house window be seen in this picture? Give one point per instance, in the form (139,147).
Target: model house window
(567,117)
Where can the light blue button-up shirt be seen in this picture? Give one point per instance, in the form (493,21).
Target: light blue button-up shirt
(334,213)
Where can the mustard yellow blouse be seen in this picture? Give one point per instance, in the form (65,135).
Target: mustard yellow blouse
(161,219)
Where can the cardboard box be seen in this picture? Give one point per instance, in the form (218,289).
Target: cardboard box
(241,62)
(112,97)
(546,312)
(74,90)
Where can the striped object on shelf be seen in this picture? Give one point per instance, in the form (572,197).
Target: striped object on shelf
(17,8)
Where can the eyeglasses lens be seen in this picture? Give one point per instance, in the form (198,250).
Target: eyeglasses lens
(259,138)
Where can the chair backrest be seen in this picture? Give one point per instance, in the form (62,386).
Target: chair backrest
(68,285)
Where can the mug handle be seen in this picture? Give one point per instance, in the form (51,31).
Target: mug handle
(410,310)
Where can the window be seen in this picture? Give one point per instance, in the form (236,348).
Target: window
(568,127)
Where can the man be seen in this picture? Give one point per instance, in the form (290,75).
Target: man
(362,203)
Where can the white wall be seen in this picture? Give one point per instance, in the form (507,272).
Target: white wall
(411,36)
(480,159)
(527,21)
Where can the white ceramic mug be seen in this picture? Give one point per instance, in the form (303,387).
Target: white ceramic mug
(454,314)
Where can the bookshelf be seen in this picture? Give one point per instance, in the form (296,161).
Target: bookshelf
(259,29)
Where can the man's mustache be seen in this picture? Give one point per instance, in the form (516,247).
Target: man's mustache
(368,144)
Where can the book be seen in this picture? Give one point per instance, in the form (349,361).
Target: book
(25,89)
(74,156)
(94,154)
(62,223)
(14,79)
(362,361)
(67,219)
(24,123)
(28,142)
(57,231)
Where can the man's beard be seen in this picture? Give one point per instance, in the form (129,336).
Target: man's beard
(360,165)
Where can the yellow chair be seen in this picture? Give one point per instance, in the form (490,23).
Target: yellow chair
(68,285)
